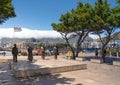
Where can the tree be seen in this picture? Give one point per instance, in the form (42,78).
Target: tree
(40,45)
(107,21)
(76,23)
(6,10)
(33,40)
(118,1)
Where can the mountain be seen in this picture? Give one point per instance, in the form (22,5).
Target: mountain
(11,41)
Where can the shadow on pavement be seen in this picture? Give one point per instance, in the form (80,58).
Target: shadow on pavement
(46,80)
(49,80)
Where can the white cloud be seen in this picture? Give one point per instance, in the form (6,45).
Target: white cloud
(28,33)
(93,36)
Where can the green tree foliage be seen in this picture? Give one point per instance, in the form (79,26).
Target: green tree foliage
(6,10)
(108,21)
(76,23)
(118,1)
(116,12)
(39,45)
(33,40)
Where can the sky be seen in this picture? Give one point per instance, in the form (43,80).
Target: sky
(39,14)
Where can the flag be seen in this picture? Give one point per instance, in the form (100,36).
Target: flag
(17,29)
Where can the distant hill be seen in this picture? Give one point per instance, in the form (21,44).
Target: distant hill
(19,40)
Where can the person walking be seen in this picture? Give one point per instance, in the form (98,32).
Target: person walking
(96,52)
(69,54)
(4,53)
(38,51)
(30,55)
(15,53)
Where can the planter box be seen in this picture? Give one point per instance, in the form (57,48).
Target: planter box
(96,61)
(116,63)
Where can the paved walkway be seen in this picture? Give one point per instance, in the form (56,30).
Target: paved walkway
(96,74)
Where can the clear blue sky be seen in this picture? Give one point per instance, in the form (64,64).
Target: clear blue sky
(39,14)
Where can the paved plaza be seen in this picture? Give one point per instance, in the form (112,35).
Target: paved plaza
(95,74)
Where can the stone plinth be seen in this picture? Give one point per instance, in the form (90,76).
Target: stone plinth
(96,61)
(24,69)
(116,63)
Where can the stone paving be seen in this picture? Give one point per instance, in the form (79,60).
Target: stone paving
(95,74)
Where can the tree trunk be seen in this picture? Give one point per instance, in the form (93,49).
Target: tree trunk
(77,50)
(74,57)
(102,54)
(104,42)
